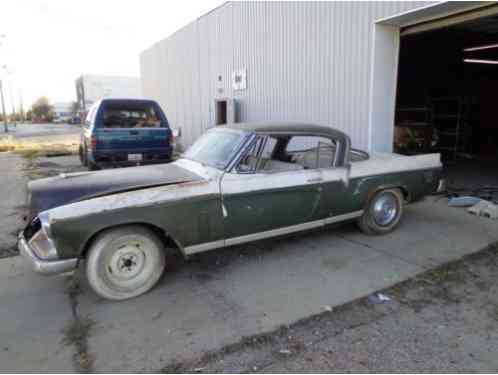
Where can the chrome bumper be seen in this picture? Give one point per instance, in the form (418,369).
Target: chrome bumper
(45,267)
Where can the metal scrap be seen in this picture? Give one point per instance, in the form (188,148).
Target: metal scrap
(485,209)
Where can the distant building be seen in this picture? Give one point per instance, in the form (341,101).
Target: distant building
(63,111)
(90,88)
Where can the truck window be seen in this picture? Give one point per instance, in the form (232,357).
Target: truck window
(133,115)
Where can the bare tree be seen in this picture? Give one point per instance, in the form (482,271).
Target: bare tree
(42,109)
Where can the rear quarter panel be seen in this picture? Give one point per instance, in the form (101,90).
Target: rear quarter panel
(414,184)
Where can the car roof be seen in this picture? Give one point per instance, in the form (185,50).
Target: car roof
(288,127)
(125,99)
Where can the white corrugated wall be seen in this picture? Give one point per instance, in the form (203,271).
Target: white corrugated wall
(306,61)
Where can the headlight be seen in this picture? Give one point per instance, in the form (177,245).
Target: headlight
(42,246)
(41,242)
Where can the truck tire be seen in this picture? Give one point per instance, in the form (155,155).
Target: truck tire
(92,166)
(383,212)
(82,153)
(125,262)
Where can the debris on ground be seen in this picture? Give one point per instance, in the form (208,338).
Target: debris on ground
(464,201)
(488,193)
(285,352)
(485,209)
(444,320)
(377,298)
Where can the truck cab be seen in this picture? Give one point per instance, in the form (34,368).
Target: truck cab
(125,132)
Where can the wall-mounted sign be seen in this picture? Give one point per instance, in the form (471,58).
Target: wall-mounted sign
(219,84)
(239,79)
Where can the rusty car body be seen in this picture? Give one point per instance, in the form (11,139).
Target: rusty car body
(236,184)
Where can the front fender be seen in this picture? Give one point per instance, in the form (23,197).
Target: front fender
(187,222)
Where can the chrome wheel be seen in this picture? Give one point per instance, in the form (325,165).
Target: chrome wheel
(385,209)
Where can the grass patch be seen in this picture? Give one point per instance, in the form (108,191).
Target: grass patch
(33,148)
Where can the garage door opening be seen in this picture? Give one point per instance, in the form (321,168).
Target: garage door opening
(447,99)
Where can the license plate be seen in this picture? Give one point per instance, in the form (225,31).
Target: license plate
(134,157)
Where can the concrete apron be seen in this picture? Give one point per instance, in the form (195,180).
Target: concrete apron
(219,297)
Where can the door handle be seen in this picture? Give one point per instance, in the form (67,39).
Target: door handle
(133,132)
(315,179)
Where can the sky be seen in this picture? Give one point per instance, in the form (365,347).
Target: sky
(47,44)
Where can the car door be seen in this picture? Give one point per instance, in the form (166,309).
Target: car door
(338,195)
(259,203)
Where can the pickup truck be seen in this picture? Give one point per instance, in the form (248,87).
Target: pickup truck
(125,132)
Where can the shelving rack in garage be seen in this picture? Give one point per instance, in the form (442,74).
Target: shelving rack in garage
(448,115)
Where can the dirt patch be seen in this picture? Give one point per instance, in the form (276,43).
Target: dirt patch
(443,320)
(8,251)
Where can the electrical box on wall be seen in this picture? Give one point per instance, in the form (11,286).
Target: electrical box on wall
(239,79)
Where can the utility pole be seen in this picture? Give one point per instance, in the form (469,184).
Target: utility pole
(21,106)
(13,117)
(6,126)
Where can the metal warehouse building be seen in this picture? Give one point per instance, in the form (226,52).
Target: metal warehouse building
(365,68)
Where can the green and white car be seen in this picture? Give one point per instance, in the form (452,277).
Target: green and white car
(236,184)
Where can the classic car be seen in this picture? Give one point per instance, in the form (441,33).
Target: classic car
(237,183)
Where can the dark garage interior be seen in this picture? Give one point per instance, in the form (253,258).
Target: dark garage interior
(447,100)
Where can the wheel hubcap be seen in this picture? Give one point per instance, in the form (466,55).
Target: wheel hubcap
(127,261)
(385,209)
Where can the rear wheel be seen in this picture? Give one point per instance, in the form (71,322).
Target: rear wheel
(125,262)
(82,153)
(383,212)
(92,166)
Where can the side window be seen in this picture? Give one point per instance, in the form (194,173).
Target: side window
(249,162)
(311,152)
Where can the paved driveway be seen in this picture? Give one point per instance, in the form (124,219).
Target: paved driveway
(217,298)
(39,130)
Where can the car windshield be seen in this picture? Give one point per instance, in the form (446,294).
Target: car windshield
(215,148)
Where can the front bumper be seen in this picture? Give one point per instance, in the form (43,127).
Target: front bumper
(45,267)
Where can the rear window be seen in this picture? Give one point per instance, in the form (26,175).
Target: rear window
(133,115)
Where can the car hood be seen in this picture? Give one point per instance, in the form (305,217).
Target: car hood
(57,191)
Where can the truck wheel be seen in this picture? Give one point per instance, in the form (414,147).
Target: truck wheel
(92,166)
(82,153)
(125,262)
(383,212)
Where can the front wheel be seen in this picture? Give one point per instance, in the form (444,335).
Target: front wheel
(383,212)
(125,262)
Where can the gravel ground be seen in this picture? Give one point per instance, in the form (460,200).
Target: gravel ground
(16,170)
(443,321)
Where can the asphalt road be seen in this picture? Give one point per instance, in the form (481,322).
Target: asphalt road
(39,130)
(218,298)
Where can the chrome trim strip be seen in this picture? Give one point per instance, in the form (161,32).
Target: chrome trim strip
(344,217)
(45,267)
(270,233)
(273,232)
(203,247)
